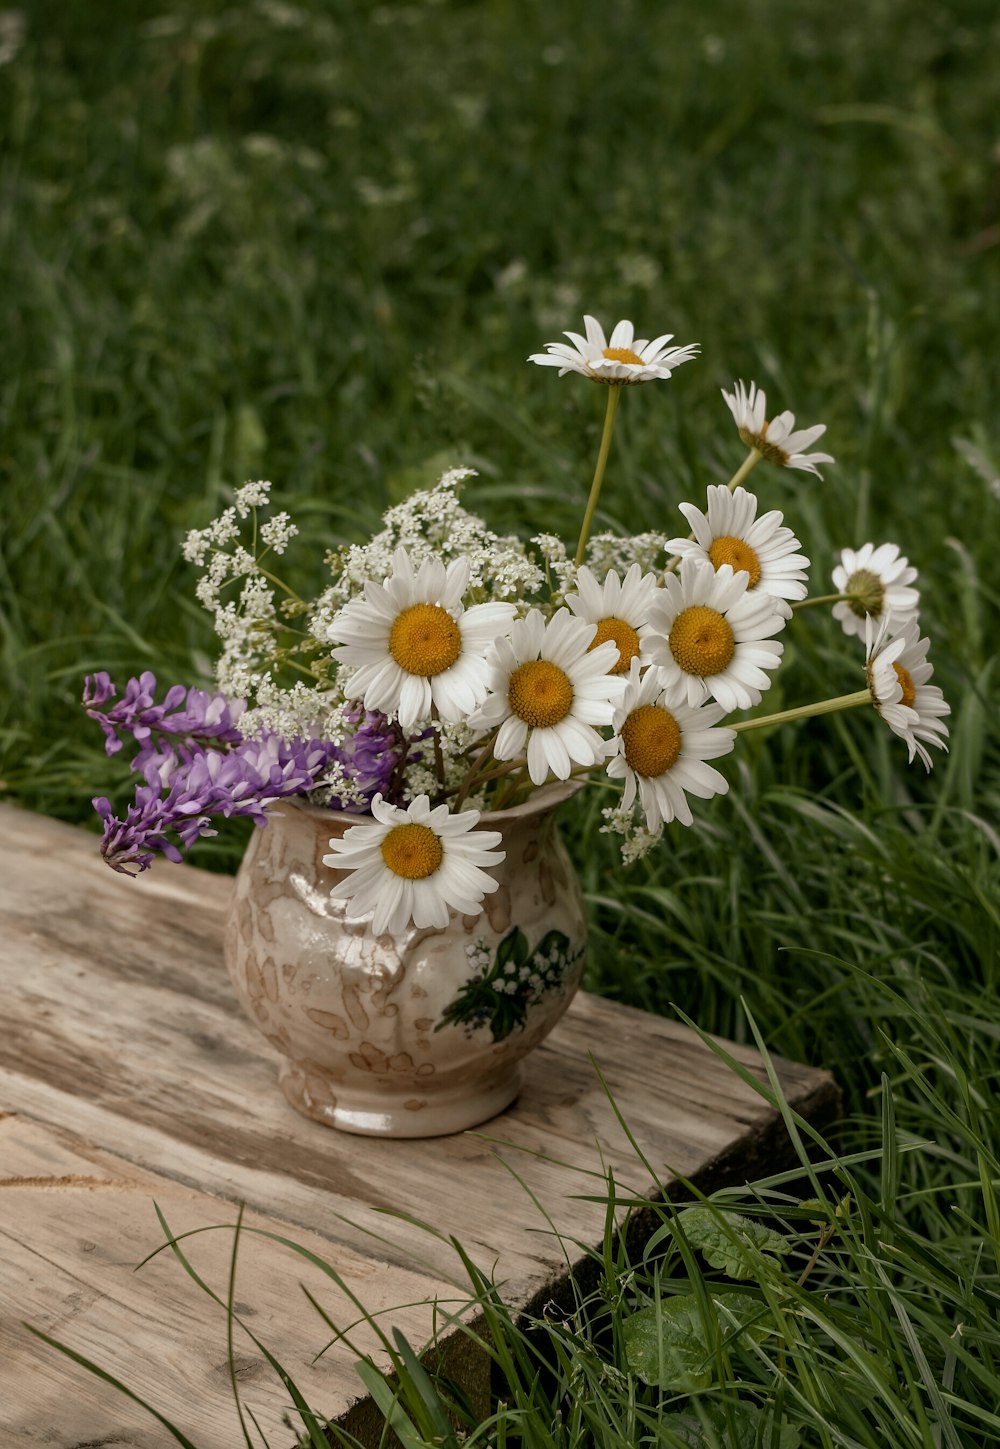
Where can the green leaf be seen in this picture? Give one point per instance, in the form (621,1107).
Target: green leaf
(729,1241)
(513,947)
(669,1344)
(738,1426)
(666,1345)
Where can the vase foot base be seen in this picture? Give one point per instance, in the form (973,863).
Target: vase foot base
(420,1114)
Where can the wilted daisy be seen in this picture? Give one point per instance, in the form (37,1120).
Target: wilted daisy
(711,632)
(879,578)
(414,865)
(413,646)
(662,745)
(549,690)
(731,533)
(619,608)
(774,440)
(898,675)
(623,358)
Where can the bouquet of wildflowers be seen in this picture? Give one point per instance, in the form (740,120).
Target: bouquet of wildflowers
(445,670)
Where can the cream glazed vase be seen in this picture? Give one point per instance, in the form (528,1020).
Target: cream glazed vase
(414,1035)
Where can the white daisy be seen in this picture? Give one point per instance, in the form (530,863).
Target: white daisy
(662,745)
(775,439)
(413,865)
(898,675)
(549,691)
(412,645)
(731,533)
(619,608)
(622,359)
(714,634)
(880,579)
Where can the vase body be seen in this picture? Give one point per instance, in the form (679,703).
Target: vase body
(410,1035)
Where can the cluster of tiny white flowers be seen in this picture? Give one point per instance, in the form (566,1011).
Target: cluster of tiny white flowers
(300,712)
(254,494)
(637,838)
(614,551)
(337,788)
(561,568)
(220,532)
(456,741)
(277,532)
(433,524)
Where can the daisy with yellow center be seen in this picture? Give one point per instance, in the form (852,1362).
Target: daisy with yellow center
(775,440)
(662,744)
(619,608)
(414,866)
(731,533)
(413,647)
(550,693)
(713,634)
(899,684)
(879,581)
(621,359)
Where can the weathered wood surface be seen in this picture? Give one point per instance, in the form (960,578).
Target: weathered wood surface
(128,1075)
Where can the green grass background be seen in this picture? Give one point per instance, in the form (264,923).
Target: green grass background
(316,242)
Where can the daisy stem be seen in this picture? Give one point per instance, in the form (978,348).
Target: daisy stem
(602,458)
(477,764)
(805,711)
(823,599)
(749,462)
(438,756)
(507,795)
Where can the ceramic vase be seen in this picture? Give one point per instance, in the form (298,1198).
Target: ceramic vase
(410,1035)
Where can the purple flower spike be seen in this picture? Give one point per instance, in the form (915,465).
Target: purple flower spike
(204,716)
(196,765)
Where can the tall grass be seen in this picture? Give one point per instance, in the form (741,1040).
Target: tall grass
(316,243)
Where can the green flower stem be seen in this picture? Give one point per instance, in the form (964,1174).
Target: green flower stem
(469,779)
(749,463)
(805,711)
(824,599)
(278,583)
(614,389)
(438,754)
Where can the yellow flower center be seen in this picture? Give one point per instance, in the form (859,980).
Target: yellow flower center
(771,451)
(909,688)
(701,641)
(738,554)
(425,640)
(540,693)
(652,740)
(622,354)
(621,634)
(868,594)
(412,851)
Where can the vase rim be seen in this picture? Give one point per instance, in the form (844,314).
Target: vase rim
(542,798)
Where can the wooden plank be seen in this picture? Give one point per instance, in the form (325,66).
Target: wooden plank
(73,1225)
(122,1032)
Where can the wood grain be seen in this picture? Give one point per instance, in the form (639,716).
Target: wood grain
(127,1074)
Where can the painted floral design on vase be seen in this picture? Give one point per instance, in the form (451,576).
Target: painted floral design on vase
(414,1035)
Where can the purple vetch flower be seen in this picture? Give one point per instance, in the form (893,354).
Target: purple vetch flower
(184,790)
(204,716)
(196,765)
(372,753)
